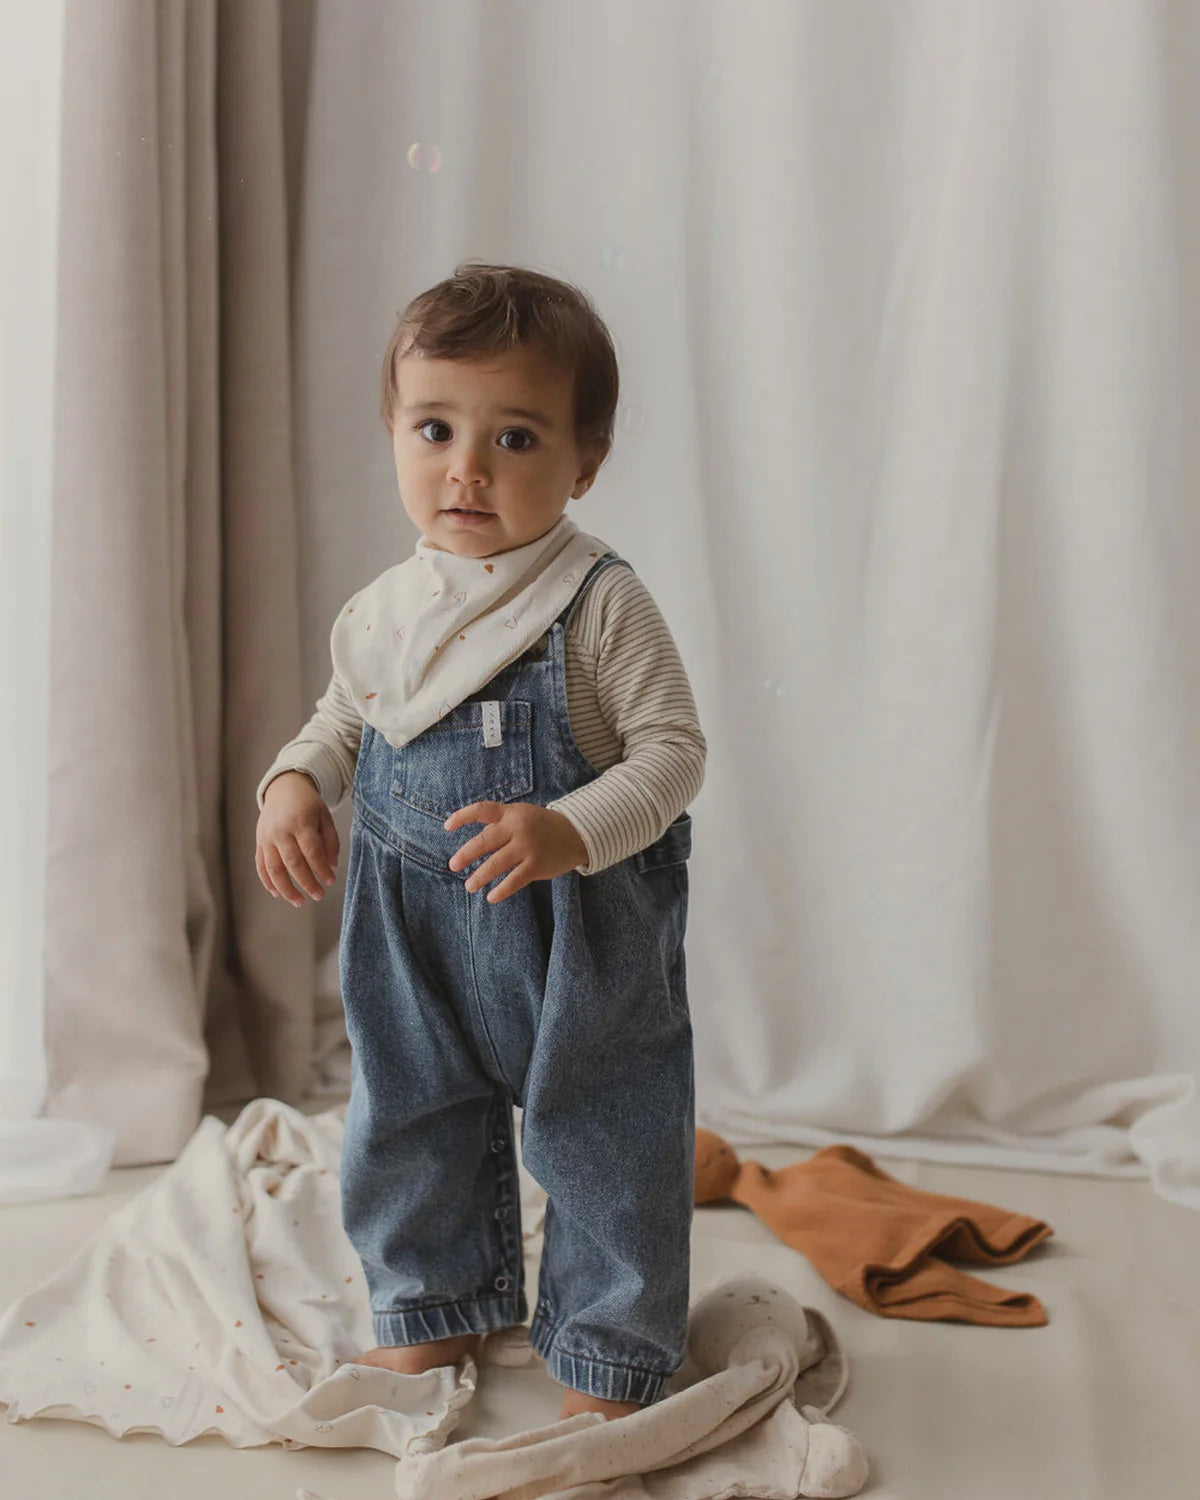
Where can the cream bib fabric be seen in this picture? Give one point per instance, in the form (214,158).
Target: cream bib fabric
(431,630)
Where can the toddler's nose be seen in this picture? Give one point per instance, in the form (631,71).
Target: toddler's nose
(467,468)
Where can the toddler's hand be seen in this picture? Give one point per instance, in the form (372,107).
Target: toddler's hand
(533,842)
(296,843)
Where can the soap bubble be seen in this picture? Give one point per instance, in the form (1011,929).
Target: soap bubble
(423,157)
(614,257)
(633,419)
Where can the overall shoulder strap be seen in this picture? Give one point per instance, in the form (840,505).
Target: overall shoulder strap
(609,560)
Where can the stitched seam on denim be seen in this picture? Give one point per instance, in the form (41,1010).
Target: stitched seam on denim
(514,710)
(677,983)
(653,931)
(562,712)
(517,718)
(410,1307)
(506,1182)
(480,1020)
(551,1329)
(500,793)
(677,833)
(373,824)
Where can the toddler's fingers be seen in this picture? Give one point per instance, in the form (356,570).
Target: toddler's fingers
(474,812)
(519,878)
(487,842)
(260,866)
(503,859)
(329,834)
(277,874)
(312,846)
(290,872)
(278,883)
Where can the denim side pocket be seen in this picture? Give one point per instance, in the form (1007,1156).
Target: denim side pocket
(672,847)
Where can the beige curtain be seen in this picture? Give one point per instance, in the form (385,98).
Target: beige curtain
(172,981)
(905,302)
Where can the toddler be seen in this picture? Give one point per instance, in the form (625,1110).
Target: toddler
(513,673)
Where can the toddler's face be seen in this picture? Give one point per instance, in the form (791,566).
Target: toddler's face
(494,435)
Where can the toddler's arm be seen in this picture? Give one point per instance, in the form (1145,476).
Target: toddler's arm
(645,696)
(326,749)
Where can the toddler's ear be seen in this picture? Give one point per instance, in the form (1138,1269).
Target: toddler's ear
(592,460)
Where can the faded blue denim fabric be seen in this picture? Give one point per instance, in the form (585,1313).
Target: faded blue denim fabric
(568,998)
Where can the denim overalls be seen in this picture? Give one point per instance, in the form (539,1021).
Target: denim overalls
(567,998)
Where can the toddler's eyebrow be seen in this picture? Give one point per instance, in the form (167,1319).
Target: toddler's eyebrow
(528,414)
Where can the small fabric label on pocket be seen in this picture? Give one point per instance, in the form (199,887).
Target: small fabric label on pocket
(492,735)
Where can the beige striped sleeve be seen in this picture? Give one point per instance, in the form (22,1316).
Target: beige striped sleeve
(643,706)
(326,749)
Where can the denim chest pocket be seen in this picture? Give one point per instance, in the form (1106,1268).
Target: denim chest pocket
(450,764)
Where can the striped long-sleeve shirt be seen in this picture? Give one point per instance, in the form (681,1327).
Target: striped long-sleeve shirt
(632,714)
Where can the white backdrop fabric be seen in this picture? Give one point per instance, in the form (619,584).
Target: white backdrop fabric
(908,455)
(38,1158)
(906,307)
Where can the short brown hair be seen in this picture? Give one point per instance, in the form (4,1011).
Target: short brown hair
(485,309)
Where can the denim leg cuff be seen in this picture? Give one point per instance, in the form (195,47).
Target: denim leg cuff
(447,1320)
(595,1377)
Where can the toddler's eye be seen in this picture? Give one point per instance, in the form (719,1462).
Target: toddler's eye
(524,434)
(431,422)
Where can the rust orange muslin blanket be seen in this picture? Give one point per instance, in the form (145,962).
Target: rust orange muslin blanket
(878,1241)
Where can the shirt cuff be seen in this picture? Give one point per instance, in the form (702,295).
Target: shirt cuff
(588,827)
(318,765)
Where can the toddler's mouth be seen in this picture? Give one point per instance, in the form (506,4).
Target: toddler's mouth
(469,517)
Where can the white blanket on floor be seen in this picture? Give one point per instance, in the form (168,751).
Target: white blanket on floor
(226,1298)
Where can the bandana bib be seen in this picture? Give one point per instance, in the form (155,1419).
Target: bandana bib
(431,630)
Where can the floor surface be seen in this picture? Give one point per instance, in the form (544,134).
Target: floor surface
(1102,1404)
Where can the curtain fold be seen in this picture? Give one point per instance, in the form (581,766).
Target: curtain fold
(39,1158)
(905,304)
(170,981)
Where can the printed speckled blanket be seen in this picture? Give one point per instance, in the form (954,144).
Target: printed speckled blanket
(226,1298)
